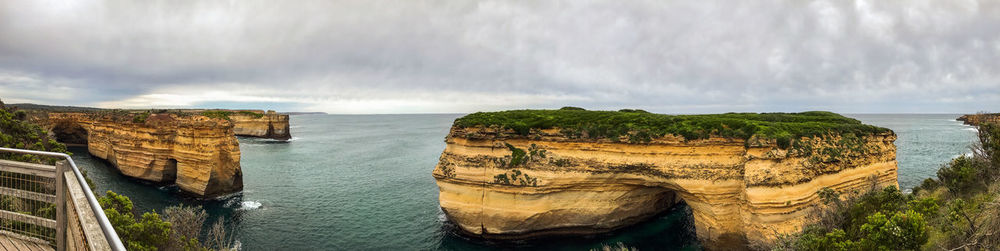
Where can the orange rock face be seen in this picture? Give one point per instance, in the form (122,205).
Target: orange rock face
(270,125)
(738,192)
(976,119)
(199,154)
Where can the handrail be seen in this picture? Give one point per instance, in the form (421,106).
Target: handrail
(102,219)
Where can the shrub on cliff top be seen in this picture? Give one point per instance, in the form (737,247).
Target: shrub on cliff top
(252,114)
(612,124)
(217,114)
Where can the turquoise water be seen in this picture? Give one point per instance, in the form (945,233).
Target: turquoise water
(924,143)
(363,182)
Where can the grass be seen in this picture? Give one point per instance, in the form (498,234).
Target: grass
(641,126)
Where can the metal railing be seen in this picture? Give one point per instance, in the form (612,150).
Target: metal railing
(37,201)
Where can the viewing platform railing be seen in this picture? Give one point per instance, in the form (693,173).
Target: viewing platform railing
(52,204)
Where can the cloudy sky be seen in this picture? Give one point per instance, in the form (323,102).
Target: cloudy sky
(372,56)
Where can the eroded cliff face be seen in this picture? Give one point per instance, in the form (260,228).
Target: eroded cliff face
(976,119)
(498,184)
(269,125)
(199,154)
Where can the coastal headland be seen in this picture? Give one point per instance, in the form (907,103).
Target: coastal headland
(979,118)
(195,149)
(747,177)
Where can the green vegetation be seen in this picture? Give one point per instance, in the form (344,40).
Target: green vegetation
(616,247)
(958,210)
(221,114)
(16,132)
(515,178)
(520,157)
(252,114)
(151,232)
(633,110)
(217,114)
(148,232)
(140,118)
(641,126)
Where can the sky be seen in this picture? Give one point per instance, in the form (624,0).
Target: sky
(459,56)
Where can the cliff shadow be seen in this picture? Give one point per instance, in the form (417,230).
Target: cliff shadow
(260,140)
(69,133)
(170,171)
(671,229)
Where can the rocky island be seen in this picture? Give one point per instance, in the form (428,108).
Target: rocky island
(746,177)
(261,124)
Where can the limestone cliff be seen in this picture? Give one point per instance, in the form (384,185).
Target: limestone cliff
(198,153)
(259,124)
(507,182)
(976,119)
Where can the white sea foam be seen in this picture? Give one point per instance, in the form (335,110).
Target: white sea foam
(293,127)
(971,129)
(250,205)
(968,154)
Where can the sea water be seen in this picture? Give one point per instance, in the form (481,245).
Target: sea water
(364,182)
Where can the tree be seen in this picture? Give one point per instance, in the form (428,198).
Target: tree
(149,232)
(964,175)
(902,231)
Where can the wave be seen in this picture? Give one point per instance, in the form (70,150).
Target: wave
(250,205)
(968,155)
(442,217)
(294,126)
(971,129)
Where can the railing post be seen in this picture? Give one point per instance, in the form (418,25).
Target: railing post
(61,205)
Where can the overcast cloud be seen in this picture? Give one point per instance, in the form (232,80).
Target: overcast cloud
(463,56)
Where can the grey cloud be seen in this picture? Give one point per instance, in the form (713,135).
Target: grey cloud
(668,56)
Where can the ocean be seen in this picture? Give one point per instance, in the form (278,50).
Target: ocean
(364,182)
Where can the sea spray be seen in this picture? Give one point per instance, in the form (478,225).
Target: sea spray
(250,205)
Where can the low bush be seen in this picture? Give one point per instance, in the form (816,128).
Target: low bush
(217,114)
(784,127)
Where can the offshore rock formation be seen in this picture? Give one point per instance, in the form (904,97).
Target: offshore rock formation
(198,153)
(260,124)
(498,183)
(976,119)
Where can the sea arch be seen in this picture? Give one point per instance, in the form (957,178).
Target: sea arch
(738,193)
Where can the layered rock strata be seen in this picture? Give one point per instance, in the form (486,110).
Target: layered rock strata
(976,119)
(198,153)
(496,183)
(262,125)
